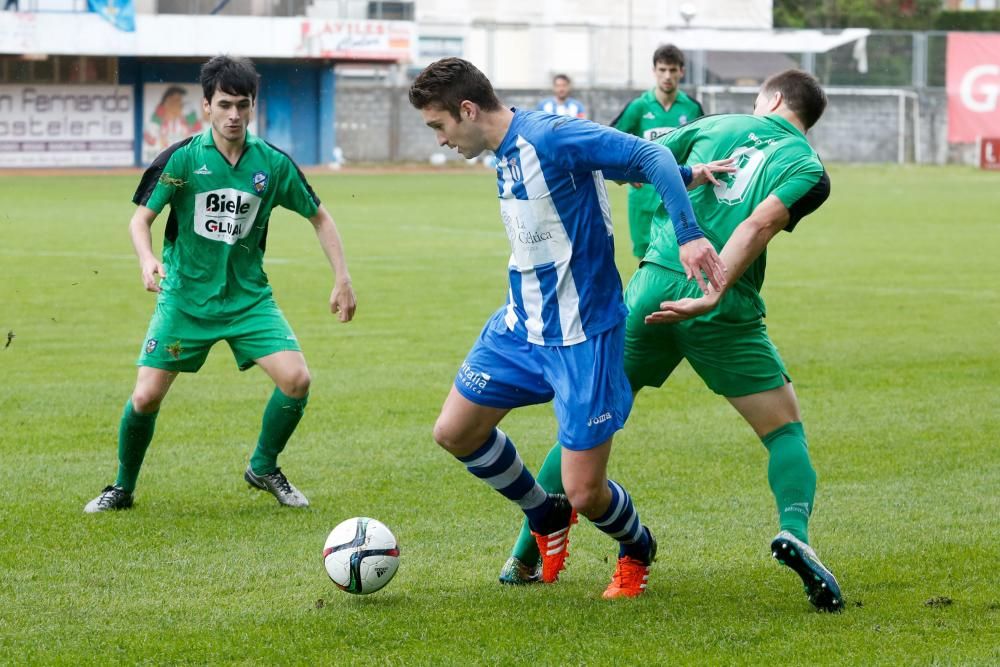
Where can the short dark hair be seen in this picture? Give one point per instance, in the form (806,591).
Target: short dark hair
(236,76)
(563,77)
(450,81)
(668,54)
(802,93)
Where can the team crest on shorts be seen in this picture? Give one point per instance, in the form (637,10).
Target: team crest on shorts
(260,182)
(151,345)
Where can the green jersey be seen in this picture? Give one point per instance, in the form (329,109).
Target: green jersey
(213,249)
(645,117)
(773,158)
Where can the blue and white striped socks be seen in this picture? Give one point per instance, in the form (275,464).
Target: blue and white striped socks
(498,464)
(621,522)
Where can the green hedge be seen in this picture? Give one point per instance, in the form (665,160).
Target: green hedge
(979,21)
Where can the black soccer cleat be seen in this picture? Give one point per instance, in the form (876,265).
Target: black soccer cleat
(821,586)
(277,485)
(111,498)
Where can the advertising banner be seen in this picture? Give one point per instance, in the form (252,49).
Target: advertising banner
(66,126)
(989,153)
(973,80)
(342,39)
(164,35)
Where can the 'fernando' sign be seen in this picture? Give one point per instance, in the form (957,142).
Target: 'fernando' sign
(66,126)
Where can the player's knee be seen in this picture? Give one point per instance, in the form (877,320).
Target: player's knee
(589,498)
(145,401)
(456,440)
(445,436)
(296,384)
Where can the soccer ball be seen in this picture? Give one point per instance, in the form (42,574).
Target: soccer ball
(361,555)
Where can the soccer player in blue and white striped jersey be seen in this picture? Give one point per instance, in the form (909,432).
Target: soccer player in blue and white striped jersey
(561,333)
(561,104)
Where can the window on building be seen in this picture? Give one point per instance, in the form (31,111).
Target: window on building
(432,48)
(58,69)
(390,11)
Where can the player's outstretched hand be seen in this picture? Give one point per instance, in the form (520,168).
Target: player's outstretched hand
(342,300)
(151,268)
(683,309)
(705,173)
(700,261)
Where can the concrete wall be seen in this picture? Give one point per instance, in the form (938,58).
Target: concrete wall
(375,124)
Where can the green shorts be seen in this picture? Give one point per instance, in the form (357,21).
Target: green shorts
(728,348)
(640,218)
(179,341)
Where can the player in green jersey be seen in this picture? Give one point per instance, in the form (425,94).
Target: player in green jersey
(221,185)
(780,179)
(650,116)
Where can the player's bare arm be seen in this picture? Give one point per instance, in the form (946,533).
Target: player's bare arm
(342,299)
(747,242)
(142,241)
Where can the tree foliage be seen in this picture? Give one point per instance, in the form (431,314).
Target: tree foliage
(875,14)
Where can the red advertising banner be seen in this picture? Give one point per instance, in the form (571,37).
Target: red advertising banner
(973,79)
(989,153)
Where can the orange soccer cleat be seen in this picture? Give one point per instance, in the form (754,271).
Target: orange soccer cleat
(554,546)
(631,574)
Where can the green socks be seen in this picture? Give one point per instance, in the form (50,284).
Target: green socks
(550,478)
(281,416)
(792,478)
(134,435)
(789,472)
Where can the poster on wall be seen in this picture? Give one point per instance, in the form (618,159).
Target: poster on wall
(973,80)
(66,126)
(172,112)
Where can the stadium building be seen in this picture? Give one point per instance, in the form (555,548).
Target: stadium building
(111,82)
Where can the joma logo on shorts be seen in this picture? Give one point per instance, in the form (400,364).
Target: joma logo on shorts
(599,419)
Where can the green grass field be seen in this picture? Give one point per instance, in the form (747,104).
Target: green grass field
(885,306)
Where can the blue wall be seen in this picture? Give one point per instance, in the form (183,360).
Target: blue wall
(295,111)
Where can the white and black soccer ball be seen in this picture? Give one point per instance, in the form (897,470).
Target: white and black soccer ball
(361,555)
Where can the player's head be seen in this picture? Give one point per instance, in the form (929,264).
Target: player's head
(795,91)
(561,86)
(235,76)
(230,87)
(668,67)
(452,96)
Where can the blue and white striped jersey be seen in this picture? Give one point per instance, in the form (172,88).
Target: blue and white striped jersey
(564,285)
(570,107)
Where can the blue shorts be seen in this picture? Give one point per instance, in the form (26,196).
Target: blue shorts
(592,394)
